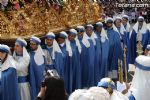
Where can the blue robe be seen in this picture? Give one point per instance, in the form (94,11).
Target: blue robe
(124,37)
(57,62)
(125,44)
(68,75)
(84,64)
(133,43)
(115,50)
(131,97)
(9,85)
(76,66)
(36,74)
(97,68)
(104,48)
(91,63)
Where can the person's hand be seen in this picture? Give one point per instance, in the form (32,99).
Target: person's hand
(42,92)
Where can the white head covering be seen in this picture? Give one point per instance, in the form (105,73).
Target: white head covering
(9,62)
(128,25)
(85,38)
(4,48)
(99,93)
(93,36)
(103,32)
(76,39)
(109,19)
(68,46)
(25,53)
(55,45)
(38,57)
(143,29)
(122,29)
(140,86)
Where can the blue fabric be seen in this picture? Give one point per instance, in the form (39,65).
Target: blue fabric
(21,43)
(37,72)
(131,97)
(22,79)
(91,63)
(104,48)
(76,66)
(49,37)
(106,85)
(9,85)
(67,63)
(133,42)
(140,66)
(115,50)
(57,62)
(84,63)
(97,68)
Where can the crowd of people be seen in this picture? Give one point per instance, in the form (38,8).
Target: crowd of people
(81,57)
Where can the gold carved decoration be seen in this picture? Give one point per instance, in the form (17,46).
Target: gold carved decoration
(38,20)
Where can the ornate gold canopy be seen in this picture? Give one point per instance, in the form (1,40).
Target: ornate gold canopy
(35,20)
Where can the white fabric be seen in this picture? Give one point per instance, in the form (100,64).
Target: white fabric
(68,47)
(85,40)
(76,39)
(86,96)
(62,44)
(121,86)
(122,30)
(76,94)
(22,64)
(103,35)
(78,45)
(39,56)
(128,27)
(116,95)
(56,48)
(142,31)
(93,37)
(8,63)
(99,93)
(24,89)
(140,86)
(94,93)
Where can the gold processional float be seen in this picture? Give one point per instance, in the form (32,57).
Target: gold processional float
(38,19)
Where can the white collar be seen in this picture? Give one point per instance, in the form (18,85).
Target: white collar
(8,63)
